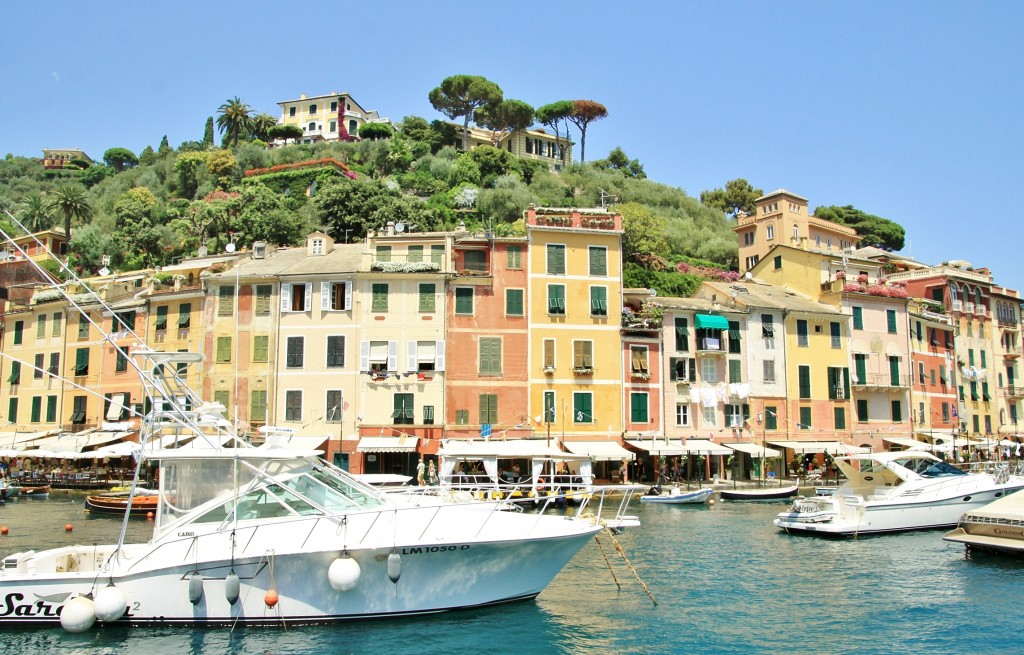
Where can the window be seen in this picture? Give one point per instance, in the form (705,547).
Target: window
(598,260)
(15,376)
(920,373)
(475,260)
(403,412)
(984,392)
(12,410)
(894,370)
(734,337)
(336,296)
(462,417)
(768,370)
(41,326)
(296,297)
(549,354)
(490,356)
(428,415)
(514,305)
(778,261)
(638,360)
(890,320)
(56,324)
(379,303)
(437,254)
(334,106)
(708,370)
(37,409)
(981,354)
(598,301)
(291,111)
(736,415)
(225,301)
(839,418)
(556,299)
(79,408)
(261,348)
(415,254)
(514,257)
(294,347)
(488,409)
(771,418)
(838,383)
(261,306)
(858,318)
(897,411)
(335,351)
(682,369)
(39,363)
(258,406)
(682,335)
(583,354)
(120,360)
(83,328)
(835,333)
(378,357)
(464,301)
(805,381)
(735,371)
(638,408)
(81,361)
(862,410)
(184,315)
(801,333)
(805,418)
(682,414)
(312,109)
(582,407)
(19,328)
(161,318)
(710,417)
(54,364)
(293,405)
(425,356)
(222,397)
(223,350)
(769,232)
(549,406)
(556,259)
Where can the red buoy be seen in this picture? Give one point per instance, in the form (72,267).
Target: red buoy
(271,598)
(4,530)
(68,527)
(149,516)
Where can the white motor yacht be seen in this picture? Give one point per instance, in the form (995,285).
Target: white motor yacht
(996,528)
(895,491)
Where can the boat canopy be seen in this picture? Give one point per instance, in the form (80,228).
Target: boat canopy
(909,444)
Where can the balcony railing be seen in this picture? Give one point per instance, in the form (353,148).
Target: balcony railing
(957,305)
(882,380)
(711,344)
(1013,391)
(981,310)
(969,307)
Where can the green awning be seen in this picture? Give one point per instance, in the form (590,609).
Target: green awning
(710,322)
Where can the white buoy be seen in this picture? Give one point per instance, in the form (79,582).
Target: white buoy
(110,604)
(195,588)
(711,502)
(231,588)
(344,573)
(78,614)
(394,567)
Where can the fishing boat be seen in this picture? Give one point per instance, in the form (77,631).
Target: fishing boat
(760,493)
(677,496)
(995,528)
(35,491)
(116,503)
(895,491)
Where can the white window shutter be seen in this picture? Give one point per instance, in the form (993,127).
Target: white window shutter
(325,296)
(439,355)
(411,363)
(364,356)
(348,295)
(286,297)
(393,356)
(307,302)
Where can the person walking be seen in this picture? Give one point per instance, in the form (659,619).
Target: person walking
(419,473)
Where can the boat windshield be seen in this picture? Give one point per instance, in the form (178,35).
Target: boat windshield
(927,468)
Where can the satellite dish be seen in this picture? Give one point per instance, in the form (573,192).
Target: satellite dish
(229,248)
(203,251)
(747,276)
(652,292)
(399,227)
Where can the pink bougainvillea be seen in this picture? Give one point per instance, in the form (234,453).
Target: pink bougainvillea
(309,163)
(853,288)
(708,272)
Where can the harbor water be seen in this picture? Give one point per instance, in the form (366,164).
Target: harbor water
(724,579)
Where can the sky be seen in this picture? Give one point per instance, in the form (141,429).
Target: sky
(907,110)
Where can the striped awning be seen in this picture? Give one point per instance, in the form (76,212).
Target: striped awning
(402,444)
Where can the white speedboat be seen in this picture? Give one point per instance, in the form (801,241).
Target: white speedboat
(677,496)
(996,528)
(265,535)
(895,491)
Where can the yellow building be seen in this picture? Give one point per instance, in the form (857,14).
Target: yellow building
(62,157)
(328,117)
(575,308)
(535,144)
(782,217)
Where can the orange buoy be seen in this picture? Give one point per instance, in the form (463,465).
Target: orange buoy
(68,527)
(271,598)
(149,516)
(4,530)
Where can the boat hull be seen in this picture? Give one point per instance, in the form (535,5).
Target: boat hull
(696,497)
(781,493)
(116,505)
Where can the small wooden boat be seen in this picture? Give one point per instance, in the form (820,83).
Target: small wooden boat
(118,503)
(754,493)
(36,491)
(677,496)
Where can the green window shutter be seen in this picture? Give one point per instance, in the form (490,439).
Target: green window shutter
(223,349)
(805,381)
(984,363)
(41,326)
(805,418)
(514,302)
(839,414)
(415,253)
(83,327)
(380,298)
(582,408)
(890,320)
(120,361)
(383,253)
(862,410)
(556,299)
(12,410)
(894,370)
(858,318)
(514,257)
(263,292)
(82,361)
(598,261)
(549,406)
(735,375)
(801,332)
(638,407)
(771,418)
(833,383)
(19,328)
(846,382)
(258,406)
(37,409)
(462,417)
(260,348)
(427,297)
(488,409)
(970,357)
(599,301)
(56,324)
(437,254)
(860,362)
(222,397)
(185,315)
(693,369)
(984,392)
(15,376)
(464,300)
(942,373)
(490,356)
(161,318)
(734,336)
(335,351)
(682,335)
(897,411)
(226,301)
(556,259)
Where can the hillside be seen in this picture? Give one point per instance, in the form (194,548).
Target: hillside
(169,202)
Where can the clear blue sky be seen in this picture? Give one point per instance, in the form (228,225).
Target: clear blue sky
(908,110)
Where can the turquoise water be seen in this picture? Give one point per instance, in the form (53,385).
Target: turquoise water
(725,581)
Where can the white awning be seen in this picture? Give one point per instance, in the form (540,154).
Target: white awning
(600,451)
(19,440)
(909,444)
(830,447)
(755,450)
(121,449)
(690,447)
(512,449)
(78,441)
(403,444)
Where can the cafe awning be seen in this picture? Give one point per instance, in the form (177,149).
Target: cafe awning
(710,322)
(755,450)
(830,447)
(690,447)
(512,449)
(402,444)
(600,451)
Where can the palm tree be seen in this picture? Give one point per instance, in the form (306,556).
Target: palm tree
(71,201)
(36,214)
(234,119)
(260,127)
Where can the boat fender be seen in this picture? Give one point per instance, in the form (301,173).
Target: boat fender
(231,587)
(394,567)
(344,573)
(78,614)
(195,588)
(110,604)
(270,598)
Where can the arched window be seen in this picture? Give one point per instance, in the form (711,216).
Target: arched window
(769,232)
(954,291)
(796,231)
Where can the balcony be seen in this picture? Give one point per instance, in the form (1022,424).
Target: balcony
(969,307)
(882,382)
(981,310)
(957,305)
(711,346)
